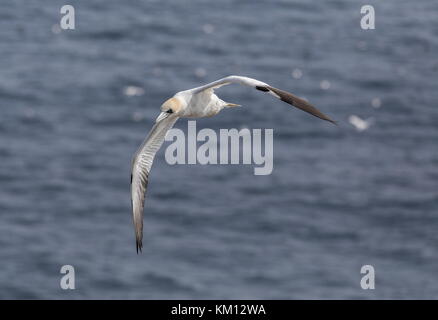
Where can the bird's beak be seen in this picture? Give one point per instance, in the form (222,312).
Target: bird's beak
(162,116)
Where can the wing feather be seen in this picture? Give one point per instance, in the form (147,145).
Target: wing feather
(264,87)
(141,166)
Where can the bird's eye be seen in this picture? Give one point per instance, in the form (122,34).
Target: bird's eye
(169,111)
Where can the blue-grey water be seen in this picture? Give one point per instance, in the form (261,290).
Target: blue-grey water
(337,199)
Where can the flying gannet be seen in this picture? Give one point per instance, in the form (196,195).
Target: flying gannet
(193,103)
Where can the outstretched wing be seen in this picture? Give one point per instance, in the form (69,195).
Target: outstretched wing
(280,94)
(141,166)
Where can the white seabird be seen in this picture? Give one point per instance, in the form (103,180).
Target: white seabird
(193,103)
(360,124)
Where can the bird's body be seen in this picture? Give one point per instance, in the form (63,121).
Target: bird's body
(201,105)
(198,102)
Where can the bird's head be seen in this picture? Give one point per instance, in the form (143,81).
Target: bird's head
(172,106)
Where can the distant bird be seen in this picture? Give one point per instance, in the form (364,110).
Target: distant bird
(194,103)
(360,124)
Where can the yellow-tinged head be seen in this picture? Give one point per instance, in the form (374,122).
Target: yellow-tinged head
(172,105)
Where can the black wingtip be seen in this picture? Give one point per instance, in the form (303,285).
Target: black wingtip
(264,89)
(139,246)
(332,121)
(300,104)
